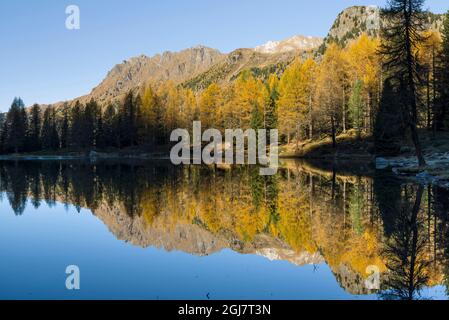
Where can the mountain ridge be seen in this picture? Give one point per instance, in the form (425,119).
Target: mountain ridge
(199,66)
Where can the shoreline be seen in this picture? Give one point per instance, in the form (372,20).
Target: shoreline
(436,172)
(92,156)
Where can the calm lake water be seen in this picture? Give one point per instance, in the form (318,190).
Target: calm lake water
(155,231)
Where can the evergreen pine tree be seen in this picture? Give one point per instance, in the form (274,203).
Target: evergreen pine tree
(75,131)
(34,132)
(3,135)
(49,137)
(271,113)
(401,36)
(389,128)
(88,125)
(17,126)
(128,120)
(110,129)
(65,129)
(256,118)
(100,138)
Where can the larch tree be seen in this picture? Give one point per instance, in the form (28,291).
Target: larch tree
(248,98)
(170,98)
(292,101)
(210,103)
(364,65)
(152,116)
(190,110)
(330,89)
(308,72)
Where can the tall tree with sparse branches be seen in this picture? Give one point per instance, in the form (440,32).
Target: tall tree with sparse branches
(402,33)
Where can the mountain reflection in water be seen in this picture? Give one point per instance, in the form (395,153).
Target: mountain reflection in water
(304,215)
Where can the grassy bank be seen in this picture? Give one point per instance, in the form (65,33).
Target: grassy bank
(348,147)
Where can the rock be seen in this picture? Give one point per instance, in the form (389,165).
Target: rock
(382,163)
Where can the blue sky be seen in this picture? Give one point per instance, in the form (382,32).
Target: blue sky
(42,61)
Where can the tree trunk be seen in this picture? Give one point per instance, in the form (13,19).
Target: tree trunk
(428,102)
(434,97)
(298,132)
(334,139)
(344,112)
(370,114)
(414,241)
(310,118)
(413,119)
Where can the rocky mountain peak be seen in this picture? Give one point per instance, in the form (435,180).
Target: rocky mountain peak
(134,72)
(354,21)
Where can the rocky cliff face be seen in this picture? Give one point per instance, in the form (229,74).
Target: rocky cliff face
(354,21)
(135,72)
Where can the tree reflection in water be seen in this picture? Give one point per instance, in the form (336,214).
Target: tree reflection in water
(304,214)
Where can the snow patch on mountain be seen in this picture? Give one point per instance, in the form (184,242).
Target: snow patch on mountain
(296,43)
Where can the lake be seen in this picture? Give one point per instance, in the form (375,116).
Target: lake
(150,230)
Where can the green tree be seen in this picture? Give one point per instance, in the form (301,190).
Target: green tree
(50,137)
(3,135)
(88,124)
(110,129)
(271,112)
(356,107)
(17,125)
(76,125)
(389,128)
(256,118)
(65,128)
(34,132)
(128,121)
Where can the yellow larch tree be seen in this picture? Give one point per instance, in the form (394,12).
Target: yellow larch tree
(210,105)
(152,114)
(296,89)
(248,95)
(364,66)
(330,89)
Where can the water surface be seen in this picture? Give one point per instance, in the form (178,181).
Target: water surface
(154,231)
